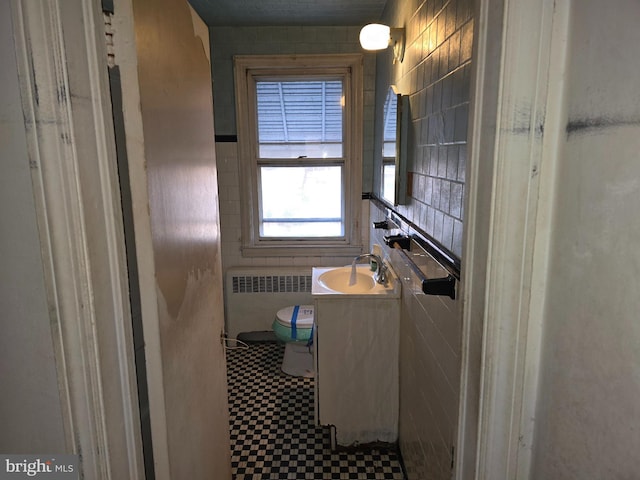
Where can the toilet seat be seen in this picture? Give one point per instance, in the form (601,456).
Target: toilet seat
(302,317)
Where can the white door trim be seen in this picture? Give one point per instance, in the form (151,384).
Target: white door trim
(516,120)
(61,57)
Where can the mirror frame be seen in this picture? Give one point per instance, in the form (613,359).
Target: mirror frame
(402,132)
(401,141)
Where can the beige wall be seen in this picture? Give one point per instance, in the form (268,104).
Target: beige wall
(30,410)
(588,412)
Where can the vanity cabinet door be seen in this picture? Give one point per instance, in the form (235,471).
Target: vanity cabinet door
(357,368)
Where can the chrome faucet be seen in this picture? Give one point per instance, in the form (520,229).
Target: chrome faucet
(380,275)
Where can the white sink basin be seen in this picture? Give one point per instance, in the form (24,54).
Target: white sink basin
(335,281)
(338,280)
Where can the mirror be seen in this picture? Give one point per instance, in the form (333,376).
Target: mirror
(394,151)
(389,146)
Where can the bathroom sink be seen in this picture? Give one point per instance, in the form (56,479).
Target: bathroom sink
(335,281)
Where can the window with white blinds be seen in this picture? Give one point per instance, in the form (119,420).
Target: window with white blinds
(300,118)
(300,151)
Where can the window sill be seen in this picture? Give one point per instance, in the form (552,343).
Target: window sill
(302,251)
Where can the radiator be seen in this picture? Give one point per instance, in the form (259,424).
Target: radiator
(254,295)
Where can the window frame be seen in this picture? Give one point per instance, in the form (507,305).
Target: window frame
(249,68)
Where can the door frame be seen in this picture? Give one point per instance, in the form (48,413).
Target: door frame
(62,69)
(516,123)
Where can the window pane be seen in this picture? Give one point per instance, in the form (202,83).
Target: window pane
(302,229)
(389,149)
(300,119)
(301,201)
(388,182)
(390,118)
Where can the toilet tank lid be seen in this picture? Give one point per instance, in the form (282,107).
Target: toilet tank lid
(304,316)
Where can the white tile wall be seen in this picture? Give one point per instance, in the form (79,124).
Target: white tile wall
(430,330)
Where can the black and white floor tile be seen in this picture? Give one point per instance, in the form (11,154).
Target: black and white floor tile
(273,433)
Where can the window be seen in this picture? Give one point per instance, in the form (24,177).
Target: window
(300,147)
(300,120)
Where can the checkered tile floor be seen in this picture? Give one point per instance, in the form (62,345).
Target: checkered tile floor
(273,434)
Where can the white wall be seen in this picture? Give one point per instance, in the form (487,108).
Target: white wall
(589,413)
(30,410)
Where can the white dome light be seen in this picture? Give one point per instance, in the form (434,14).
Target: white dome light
(375,36)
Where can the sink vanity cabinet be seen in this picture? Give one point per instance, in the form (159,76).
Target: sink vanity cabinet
(356,356)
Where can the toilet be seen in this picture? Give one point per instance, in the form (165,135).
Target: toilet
(294,326)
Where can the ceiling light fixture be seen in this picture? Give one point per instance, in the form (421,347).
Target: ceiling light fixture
(378,37)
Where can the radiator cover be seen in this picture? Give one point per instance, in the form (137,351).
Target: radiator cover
(254,295)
